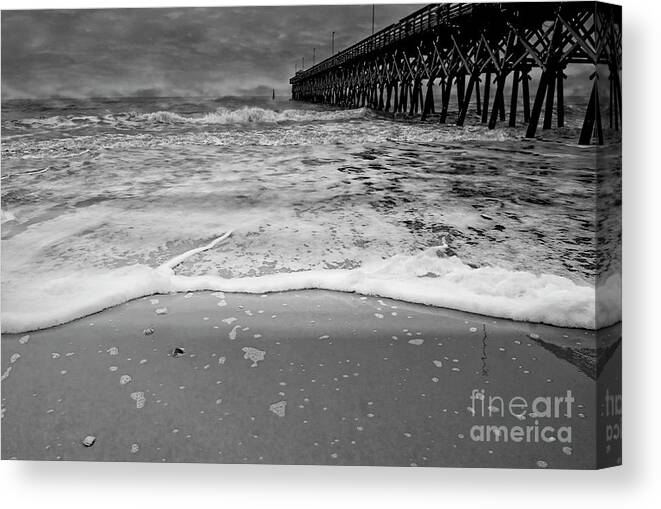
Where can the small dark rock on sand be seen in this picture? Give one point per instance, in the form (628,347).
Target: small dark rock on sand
(177,352)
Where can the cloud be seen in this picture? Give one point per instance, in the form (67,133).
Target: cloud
(170,52)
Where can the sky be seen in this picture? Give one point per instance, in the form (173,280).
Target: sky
(174,51)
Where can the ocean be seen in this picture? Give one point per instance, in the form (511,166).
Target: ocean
(101,197)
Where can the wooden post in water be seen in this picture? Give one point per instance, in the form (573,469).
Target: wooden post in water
(610,100)
(525,78)
(478,103)
(463,110)
(429,99)
(592,117)
(561,97)
(395,105)
(461,86)
(388,95)
(546,82)
(515,97)
(550,91)
(537,105)
(447,90)
(498,100)
(485,104)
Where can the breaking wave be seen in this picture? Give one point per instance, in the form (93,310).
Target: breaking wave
(255,115)
(429,277)
(222,116)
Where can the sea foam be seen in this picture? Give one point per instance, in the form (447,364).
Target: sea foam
(428,277)
(220,116)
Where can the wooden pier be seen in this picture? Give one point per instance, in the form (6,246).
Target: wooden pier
(463,46)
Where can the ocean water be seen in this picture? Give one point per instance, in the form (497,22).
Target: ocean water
(100,197)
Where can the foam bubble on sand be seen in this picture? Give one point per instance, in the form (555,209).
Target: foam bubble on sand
(139,398)
(232,334)
(24,339)
(253,354)
(416,342)
(278,408)
(125,379)
(229,321)
(429,277)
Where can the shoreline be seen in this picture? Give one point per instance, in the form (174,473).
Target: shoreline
(365,381)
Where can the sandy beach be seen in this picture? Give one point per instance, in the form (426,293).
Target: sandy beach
(308,377)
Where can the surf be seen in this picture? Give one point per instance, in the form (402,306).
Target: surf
(429,277)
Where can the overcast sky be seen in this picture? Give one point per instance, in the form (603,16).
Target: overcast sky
(172,52)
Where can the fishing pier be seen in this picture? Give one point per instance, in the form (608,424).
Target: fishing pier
(484,52)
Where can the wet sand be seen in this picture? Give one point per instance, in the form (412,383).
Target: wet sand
(344,380)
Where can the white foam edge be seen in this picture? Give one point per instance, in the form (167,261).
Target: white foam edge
(428,278)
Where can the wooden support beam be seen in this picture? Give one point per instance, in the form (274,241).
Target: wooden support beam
(431,104)
(467,99)
(600,132)
(514,98)
(611,98)
(414,98)
(429,100)
(592,118)
(498,100)
(396,93)
(478,103)
(403,101)
(526,96)
(447,89)
(546,83)
(561,97)
(550,92)
(537,106)
(615,103)
(485,104)
(461,87)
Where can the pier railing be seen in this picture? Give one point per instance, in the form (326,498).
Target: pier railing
(420,21)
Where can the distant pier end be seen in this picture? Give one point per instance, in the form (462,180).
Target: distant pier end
(493,44)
